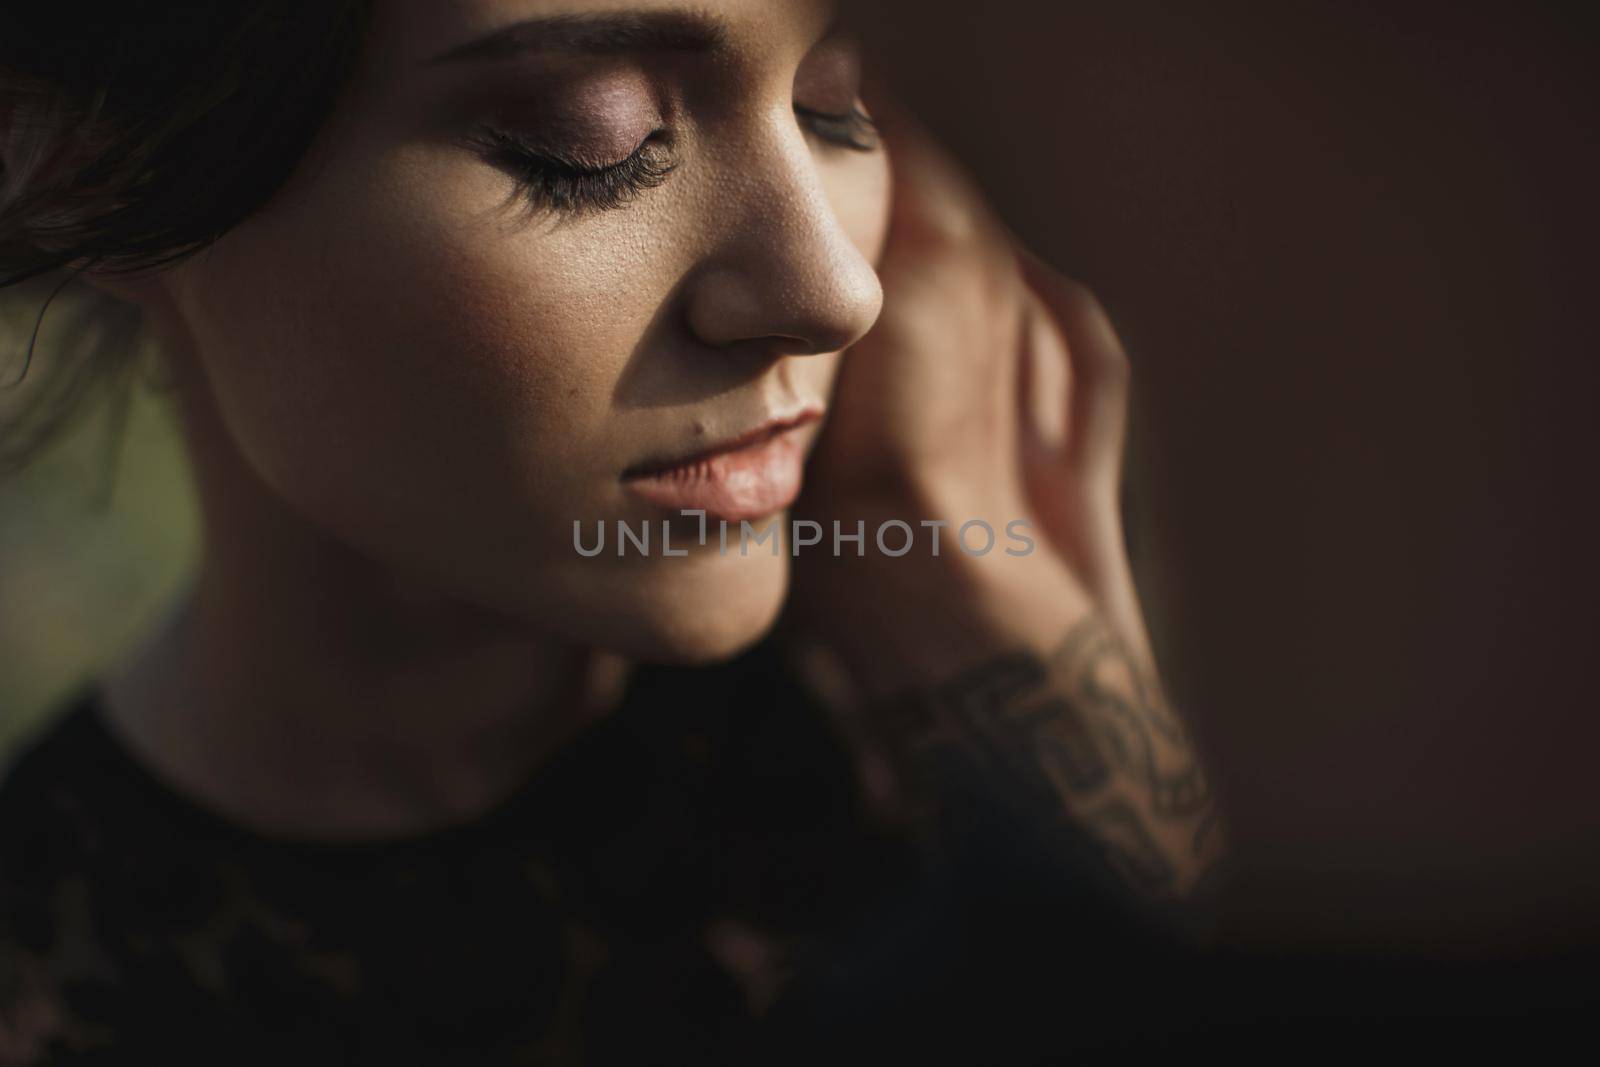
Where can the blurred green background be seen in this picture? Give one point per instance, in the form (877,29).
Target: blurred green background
(98,532)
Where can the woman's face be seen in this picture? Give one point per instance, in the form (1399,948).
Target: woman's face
(539,246)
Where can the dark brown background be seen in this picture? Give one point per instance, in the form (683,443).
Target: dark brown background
(1350,247)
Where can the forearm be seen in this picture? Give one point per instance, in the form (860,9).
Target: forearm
(1082,733)
(1025,700)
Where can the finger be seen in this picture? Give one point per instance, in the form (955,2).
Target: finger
(1098,410)
(1044,383)
(1098,400)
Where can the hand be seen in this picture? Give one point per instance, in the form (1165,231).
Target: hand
(991,388)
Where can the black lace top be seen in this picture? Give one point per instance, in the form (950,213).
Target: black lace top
(689,881)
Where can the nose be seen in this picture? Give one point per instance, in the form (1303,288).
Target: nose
(783,277)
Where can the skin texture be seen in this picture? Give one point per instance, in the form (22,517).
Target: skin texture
(994,388)
(400,390)
(484,379)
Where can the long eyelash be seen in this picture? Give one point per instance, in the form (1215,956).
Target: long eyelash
(853,129)
(569,186)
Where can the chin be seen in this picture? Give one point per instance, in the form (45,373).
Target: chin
(690,612)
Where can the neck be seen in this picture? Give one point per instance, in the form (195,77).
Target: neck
(304,689)
(343,721)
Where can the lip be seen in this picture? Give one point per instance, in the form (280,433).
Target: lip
(744,477)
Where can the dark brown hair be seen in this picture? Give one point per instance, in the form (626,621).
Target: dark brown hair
(133,135)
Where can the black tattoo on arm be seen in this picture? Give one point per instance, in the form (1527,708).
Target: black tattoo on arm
(1084,735)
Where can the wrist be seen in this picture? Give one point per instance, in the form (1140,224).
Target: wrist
(976,582)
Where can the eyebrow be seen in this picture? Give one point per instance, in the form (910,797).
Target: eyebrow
(607,33)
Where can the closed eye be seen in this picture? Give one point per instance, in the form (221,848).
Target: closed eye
(575,187)
(853,129)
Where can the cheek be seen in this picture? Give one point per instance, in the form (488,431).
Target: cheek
(421,350)
(859,190)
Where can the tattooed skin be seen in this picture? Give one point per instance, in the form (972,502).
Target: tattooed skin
(1083,735)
